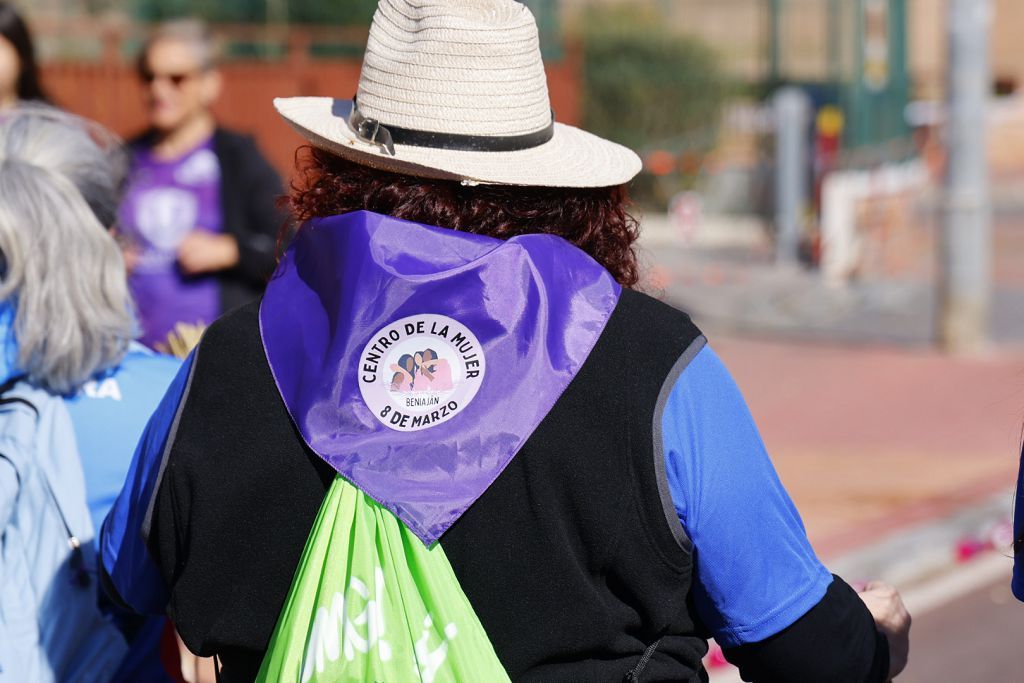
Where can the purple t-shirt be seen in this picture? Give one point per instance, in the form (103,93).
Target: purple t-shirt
(165,201)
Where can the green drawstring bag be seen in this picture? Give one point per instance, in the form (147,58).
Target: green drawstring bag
(370,604)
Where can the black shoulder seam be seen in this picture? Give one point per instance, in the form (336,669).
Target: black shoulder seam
(660,469)
(165,456)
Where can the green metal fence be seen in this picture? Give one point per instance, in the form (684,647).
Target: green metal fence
(349,12)
(857,58)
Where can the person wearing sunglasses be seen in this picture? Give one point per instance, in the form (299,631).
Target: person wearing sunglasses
(199,222)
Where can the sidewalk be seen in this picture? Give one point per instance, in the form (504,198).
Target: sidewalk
(872,441)
(876,435)
(901,460)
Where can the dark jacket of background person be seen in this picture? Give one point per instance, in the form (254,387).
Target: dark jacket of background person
(249,189)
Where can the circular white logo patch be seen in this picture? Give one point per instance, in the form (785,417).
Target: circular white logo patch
(420,371)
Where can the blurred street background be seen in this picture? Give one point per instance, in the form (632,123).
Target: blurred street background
(834,189)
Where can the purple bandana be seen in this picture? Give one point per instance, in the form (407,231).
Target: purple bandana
(417,360)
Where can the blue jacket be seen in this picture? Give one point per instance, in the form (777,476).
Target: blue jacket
(108,416)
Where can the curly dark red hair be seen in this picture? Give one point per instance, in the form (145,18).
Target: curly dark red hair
(594,219)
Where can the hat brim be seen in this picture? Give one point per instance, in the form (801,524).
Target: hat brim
(572,158)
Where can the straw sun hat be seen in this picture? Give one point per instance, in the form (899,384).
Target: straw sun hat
(456,89)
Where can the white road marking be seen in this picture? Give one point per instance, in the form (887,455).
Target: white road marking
(956,583)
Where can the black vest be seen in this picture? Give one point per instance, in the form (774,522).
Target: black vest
(573,559)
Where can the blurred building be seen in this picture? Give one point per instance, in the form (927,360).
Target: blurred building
(741,31)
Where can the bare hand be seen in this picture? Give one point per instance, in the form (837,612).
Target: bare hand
(129,250)
(892,619)
(195,669)
(131,259)
(204,252)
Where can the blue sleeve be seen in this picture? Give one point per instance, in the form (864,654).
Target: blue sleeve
(123,549)
(1018,534)
(755,571)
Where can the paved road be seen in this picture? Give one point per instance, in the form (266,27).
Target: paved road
(967,628)
(735,287)
(978,638)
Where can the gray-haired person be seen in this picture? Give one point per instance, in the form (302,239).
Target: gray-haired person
(66,330)
(199,214)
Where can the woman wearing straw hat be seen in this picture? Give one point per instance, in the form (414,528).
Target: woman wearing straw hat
(586,500)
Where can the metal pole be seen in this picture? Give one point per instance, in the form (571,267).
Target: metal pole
(965,282)
(835,37)
(792,116)
(857,132)
(774,40)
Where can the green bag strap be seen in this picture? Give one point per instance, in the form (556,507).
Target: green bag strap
(370,603)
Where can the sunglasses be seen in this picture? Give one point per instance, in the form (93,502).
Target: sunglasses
(175,79)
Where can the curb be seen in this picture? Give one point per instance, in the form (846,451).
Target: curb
(911,555)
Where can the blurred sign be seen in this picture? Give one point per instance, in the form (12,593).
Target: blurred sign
(876,45)
(685,214)
(660,162)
